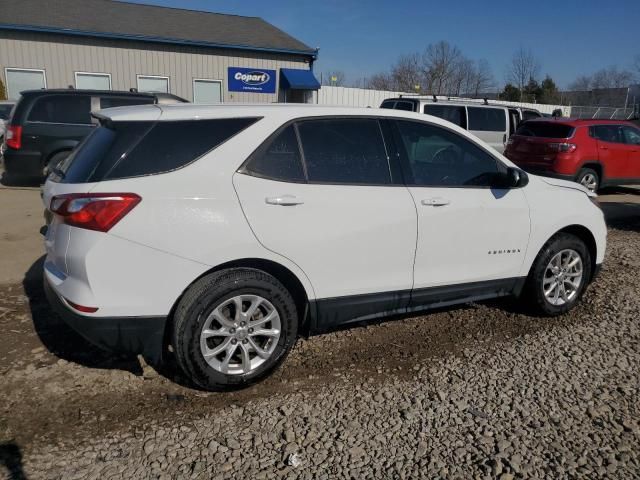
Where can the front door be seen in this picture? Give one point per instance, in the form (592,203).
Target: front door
(612,150)
(321,193)
(467,231)
(632,139)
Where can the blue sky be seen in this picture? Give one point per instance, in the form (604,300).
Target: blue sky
(363,37)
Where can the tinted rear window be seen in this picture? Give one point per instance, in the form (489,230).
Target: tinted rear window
(545,130)
(487,119)
(407,106)
(62,109)
(111,102)
(5,110)
(387,104)
(450,113)
(131,149)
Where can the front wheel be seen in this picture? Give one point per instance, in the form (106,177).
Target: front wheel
(559,275)
(233,327)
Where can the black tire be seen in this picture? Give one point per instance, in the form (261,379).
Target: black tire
(202,298)
(586,174)
(533,291)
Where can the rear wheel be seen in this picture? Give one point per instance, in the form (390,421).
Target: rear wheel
(559,275)
(589,178)
(233,327)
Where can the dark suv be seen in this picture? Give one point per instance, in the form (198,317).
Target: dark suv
(47,124)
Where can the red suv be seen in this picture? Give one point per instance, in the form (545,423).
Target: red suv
(595,153)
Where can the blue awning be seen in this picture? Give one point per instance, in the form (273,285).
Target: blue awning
(292,79)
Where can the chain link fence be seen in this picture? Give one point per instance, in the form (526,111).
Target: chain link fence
(608,113)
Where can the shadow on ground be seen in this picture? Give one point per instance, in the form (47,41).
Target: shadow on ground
(11,460)
(622,215)
(59,338)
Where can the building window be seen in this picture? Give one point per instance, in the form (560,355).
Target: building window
(207,91)
(93,81)
(20,79)
(153,83)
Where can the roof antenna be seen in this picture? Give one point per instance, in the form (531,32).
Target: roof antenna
(435,99)
(133,90)
(71,87)
(486,101)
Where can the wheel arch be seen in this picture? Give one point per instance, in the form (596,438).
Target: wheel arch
(593,165)
(283,274)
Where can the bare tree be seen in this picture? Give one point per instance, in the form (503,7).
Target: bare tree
(439,62)
(380,81)
(482,80)
(406,73)
(524,66)
(335,77)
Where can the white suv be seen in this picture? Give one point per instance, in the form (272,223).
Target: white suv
(225,232)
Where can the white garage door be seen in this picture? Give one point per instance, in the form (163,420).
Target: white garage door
(148,83)
(23,79)
(207,91)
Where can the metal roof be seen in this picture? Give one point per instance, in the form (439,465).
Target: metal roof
(115,19)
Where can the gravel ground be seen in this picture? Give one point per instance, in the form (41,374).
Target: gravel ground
(482,391)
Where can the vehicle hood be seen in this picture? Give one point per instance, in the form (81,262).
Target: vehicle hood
(556,182)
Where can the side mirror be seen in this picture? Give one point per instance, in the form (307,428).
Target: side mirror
(512,178)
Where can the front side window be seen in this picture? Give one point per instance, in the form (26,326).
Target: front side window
(74,109)
(482,119)
(450,113)
(441,158)
(529,114)
(349,151)
(608,133)
(631,135)
(278,159)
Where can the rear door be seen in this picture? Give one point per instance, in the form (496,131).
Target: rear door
(632,139)
(57,123)
(490,125)
(613,152)
(321,193)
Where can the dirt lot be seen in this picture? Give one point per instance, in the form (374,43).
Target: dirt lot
(481,391)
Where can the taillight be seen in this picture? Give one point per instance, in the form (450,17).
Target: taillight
(93,211)
(81,308)
(562,147)
(14,137)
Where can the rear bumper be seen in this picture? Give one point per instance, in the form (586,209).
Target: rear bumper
(143,335)
(22,162)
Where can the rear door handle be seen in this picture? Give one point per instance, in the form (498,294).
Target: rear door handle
(435,202)
(284,200)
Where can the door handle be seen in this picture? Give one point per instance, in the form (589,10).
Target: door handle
(284,200)
(435,202)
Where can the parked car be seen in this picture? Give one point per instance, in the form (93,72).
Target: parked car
(517,115)
(47,124)
(595,153)
(227,232)
(488,123)
(5,110)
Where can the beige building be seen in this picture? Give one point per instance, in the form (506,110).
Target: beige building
(111,45)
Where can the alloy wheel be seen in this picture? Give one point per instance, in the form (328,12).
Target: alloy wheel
(563,277)
(590,181)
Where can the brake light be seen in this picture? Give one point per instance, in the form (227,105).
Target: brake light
(93,211)
(562,147)
(14,137)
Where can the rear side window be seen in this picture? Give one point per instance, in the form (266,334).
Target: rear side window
(407,106)
(111,102)
(487,119)
(131,149)
(344,151)
(450,113)
(608,133)
(545,130)
(388,104)
(61,109)
(278,159)
(529,114)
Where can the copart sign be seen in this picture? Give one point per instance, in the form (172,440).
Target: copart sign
(255,80)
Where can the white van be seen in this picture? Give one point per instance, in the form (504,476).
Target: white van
(487,122)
